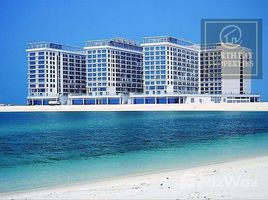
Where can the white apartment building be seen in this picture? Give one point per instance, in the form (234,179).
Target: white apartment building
(114,70)
(177,71)
(225,69)
(170,66)
(54,72)
(163,70)
(114,67)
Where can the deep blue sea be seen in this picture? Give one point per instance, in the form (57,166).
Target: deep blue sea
(54,148)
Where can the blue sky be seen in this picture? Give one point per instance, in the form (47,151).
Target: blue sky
(75,21)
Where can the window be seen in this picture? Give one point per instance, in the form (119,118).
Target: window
(138,100)
(113,101)
(161,87)
(161,100)
(77,102)
(173,100)
(150,100)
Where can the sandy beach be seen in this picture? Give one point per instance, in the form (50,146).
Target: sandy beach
(240,179)
(263,106)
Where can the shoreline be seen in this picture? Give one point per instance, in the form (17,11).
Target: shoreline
(260,106)
(161,184)
(132,175)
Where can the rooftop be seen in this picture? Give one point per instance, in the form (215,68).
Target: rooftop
(158,39)
(51,45)
(219,46)
(115,42)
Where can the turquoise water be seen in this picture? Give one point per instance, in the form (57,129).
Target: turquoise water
(49,149)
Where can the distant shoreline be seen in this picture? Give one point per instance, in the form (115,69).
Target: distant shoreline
(260,106)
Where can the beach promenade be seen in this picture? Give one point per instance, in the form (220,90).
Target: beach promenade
(263,106)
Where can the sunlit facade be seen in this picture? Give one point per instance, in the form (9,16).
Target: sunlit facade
(54,72)
(114,67)
(171,66)
(225,69)
(162,70)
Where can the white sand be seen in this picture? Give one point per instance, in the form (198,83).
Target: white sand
(243,179)
(263,106)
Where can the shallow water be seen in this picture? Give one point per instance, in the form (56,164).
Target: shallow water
(54,148)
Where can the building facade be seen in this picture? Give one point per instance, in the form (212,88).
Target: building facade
(177,71)
(114,67)
(171,66)
(162,70)
(54,72)
(225,69)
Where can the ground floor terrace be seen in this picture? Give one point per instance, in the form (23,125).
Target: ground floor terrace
(193,98)
(144,99)
(95,100)
(161,99)
(31,101)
